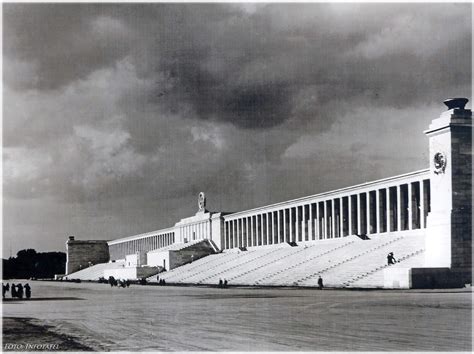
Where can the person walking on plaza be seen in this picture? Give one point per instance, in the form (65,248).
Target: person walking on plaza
(320,283)
(220,283)
(27,291)
(5,289)
(20,291)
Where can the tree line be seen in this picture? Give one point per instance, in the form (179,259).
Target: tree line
(31,264)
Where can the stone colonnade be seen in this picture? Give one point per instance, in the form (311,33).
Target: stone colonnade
(390,205)
(140,243)
(195,231)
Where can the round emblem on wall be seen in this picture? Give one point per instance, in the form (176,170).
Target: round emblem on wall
(202,201)
(439,160)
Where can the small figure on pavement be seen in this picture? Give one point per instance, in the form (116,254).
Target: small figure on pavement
(20,291)
(27,291)
(320,283)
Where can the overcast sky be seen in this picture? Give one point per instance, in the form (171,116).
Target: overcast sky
(115,117)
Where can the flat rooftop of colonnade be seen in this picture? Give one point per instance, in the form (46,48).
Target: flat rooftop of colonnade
(250,319)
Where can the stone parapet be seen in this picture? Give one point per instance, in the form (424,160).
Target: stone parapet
(84,253)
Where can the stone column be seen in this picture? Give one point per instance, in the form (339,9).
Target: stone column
(341,217)
(367,213)
(333,218)
(296,228)
(247,233)
(276,237)
(399,208)
(315,221)
(269,228)
(387,206)
(377,211)
(410,206)
(323,221)
(226,235)
(237,233)
(349,210)
(422,205)
(359,214)
(278,226)
(290,216)
(231,235)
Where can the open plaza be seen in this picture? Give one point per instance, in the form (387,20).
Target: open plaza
(171,318)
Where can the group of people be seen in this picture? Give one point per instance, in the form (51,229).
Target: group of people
(222,284)
(160,281)
(17,290)
(121,283)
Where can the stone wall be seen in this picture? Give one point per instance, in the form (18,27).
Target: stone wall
(189,254)
(461,216)
(82,254)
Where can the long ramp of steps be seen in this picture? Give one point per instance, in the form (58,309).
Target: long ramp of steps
(241,265)
(345,262)
(374,278)
(94,272)
(308,254)
(205,264)
(347,269)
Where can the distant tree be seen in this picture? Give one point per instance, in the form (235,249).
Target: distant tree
(28,264)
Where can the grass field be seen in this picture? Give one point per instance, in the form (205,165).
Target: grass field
(150,318)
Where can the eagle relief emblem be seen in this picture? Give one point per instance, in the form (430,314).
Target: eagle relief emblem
(439,161)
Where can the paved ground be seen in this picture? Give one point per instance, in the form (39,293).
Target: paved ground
(152,318)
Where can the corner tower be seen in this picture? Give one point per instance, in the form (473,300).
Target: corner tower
(449,224)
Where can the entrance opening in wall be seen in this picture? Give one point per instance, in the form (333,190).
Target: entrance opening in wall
(194,236)
(164,264)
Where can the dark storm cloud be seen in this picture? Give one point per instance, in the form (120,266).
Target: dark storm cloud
(245,68)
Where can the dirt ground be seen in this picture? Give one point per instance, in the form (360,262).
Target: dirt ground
(27,334)
(96,317)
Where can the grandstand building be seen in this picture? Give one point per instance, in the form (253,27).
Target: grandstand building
(423,217)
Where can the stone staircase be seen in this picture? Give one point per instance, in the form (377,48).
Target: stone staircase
(345,265)
(95,272)
(248,275)
(189,268)
(234,270)
(199,267)
(289,270)
(344,262)
(374,277)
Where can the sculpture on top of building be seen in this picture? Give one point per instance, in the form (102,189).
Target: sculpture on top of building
(202,202)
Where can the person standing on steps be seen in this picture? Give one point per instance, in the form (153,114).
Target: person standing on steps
(391,259)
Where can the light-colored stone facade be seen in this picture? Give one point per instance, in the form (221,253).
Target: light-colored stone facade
(436,201)
(82,254)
